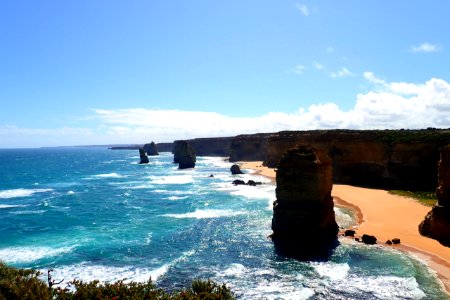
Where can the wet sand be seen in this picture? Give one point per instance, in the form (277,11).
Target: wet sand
(386,216)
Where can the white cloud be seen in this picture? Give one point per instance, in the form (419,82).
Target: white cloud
(426,48)
(299,69)
(303,9)
(343,72)
(330,49)
(318,65)
(389,105)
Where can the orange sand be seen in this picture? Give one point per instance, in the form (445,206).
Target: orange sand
(387,216)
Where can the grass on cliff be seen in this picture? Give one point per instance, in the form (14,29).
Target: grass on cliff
(425,198)
(25,284)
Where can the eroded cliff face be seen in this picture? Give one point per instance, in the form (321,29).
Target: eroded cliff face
(437,222)
(249,147)
(402,159)
(303,221)
(219,146)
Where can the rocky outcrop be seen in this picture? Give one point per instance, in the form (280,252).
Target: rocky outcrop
(151,149)
(235,170)
(303,221)
(143,156)
(218,146)
(184,155)
(391,159)
(437,222)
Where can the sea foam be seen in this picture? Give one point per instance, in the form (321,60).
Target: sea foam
(206,214)
(15,193)
(30,254)
(175,179)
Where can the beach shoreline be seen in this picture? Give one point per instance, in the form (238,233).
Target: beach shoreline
(386,216)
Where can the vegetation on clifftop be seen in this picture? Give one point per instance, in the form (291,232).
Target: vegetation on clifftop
(25,284)
(425,198)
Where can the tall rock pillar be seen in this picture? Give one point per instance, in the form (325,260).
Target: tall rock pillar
(437,222)
(303,222)
(184,155)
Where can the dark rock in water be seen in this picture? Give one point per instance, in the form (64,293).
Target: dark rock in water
(211,176)
(143,156)
(253,183)
(151,149)
(235,169)
(437,222)
(184,155)
(349,232)
(369,239)
(303,222)
(238,182)
(388,242)
(396,241)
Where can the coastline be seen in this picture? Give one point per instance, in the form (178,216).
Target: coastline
(386,216)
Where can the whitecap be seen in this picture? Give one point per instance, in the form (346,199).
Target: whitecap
(175,179)
(15,193)
(382,287)
(109,175)
(174,198)
(10,206)
(235,270)
(332,271)
(87,272)
(31,254)
(70,192)
(27,212)
(206,214)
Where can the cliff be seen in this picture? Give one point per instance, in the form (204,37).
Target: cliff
(218,146)
(249,147)
(303,221)
(402,159)
(437,222)
(151,149)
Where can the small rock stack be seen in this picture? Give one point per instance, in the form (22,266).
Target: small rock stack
(437,222)
(151,149)
(183,155)
(143,156)
(303,223)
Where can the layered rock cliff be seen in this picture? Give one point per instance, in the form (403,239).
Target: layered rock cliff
(249,147)
(437,222)
(219,146)
(184,155)
(402,159)
(151,149)
(303,221)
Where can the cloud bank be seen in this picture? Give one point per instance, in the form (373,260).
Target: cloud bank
(388,105)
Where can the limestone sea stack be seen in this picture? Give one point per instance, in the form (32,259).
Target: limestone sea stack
(437,222)
(235,170)
(303,222)
(143,156)
(184,155)
(151,149)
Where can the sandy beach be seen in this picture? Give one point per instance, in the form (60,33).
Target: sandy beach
(387,216)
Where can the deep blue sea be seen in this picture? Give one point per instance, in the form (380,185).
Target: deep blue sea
(94,213)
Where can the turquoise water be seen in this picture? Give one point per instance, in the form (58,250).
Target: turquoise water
(92,213)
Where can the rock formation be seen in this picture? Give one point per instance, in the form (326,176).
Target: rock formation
(235,170)
(143,156)
(437,222)
(151,149)
(184,155)
(303,221)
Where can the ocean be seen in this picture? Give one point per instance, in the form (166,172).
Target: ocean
(94,213)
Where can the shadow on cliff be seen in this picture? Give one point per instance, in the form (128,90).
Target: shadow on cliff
(309,249)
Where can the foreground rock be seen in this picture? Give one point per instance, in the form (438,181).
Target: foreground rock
(437,222)
(235,170)
(151,149)
(143,156)
(303,221)
(184,155)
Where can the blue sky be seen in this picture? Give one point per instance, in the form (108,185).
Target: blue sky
(97,72)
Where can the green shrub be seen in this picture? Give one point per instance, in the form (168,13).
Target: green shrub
(25,284)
